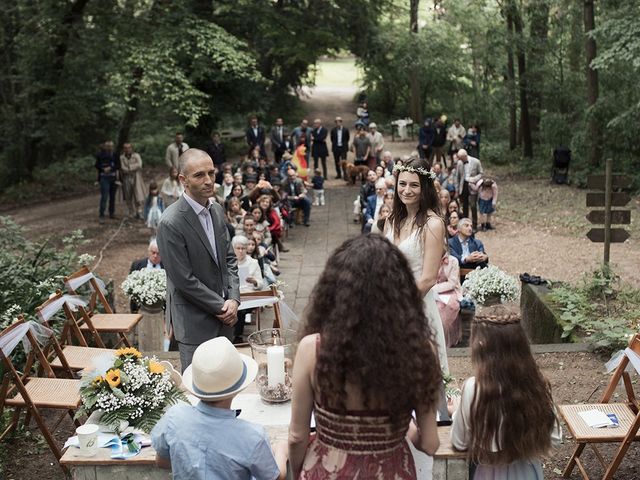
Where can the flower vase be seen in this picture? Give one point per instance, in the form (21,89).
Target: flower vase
(152,308)
(491,300)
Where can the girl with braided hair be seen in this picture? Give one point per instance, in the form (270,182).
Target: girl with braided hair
(506,419)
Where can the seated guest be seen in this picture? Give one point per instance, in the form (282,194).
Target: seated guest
(453,206)
(152,261)
(374,202)
(383,214)
(449,294)
(207,440)
(235,213)
(468,250)
(445,200)
(250,278)
(366,190)
(295,192)
(452,224)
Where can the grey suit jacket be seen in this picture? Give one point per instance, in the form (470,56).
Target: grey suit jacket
(475,172)
(197,285)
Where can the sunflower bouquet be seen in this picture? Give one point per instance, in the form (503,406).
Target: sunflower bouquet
(130,388)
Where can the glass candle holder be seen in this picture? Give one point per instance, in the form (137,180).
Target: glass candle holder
(274,350)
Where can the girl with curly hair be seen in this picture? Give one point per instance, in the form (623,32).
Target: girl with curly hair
(506,419)
(365,362)
(416,227)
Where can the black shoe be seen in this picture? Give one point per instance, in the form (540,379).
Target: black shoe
(338,177)
(489,227)
(101,220)
(112,216)
(237,340)
(283,250)
(482,227)
(307,224)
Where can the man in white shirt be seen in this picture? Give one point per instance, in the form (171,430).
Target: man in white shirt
(374,202)
(339,145)
(455,135)
(174,150)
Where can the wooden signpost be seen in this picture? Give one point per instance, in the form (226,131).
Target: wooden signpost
(608,182)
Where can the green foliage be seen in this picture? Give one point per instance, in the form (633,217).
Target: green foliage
(599,310)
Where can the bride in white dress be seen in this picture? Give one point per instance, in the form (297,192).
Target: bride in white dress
(419,232)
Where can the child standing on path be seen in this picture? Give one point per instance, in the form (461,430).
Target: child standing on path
(318,187)
(153,207)
(487,200)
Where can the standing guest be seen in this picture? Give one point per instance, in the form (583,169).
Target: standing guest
(171,188)
(448,295)
(506,420)
(468,172)
(175,149)
(274,224)
(302,135)
(153,206)
(318,187)
(216,151)
(207,441)
(455,137)
(415,227)
(487,200)
(366,190)
(361,146)
(202,273)
(152,261)
(439,141)
(472,141)
(319,150)
(469,251)
(296,194)
(132,182)
(425,139)
(377,145)
(107,165)
(362,112)
(255,136)
(452,223)
(362,403)
(277,137)
(339,145)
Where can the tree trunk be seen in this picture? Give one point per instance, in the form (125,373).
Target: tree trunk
(511,84)
(415,102)
(525,120)
(593,128)
(539,30)
(132,109)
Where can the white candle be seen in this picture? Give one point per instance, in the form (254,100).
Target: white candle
(275,365)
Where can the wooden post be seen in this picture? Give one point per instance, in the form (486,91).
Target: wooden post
(607,210)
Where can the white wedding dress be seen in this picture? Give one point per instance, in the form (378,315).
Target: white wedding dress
(412,248)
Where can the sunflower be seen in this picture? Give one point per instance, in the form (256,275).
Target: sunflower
(128,351)
(97,381)
(155,367)
(113,377)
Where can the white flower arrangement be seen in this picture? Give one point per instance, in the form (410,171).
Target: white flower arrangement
(146,286)
(483,283)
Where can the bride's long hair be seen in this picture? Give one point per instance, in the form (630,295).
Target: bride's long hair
(429,200)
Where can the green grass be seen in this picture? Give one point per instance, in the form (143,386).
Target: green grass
(339,72)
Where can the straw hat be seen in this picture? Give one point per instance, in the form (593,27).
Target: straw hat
(218,371)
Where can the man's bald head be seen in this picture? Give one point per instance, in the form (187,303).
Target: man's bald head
(188,158)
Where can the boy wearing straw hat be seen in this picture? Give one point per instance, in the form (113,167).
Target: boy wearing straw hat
(207,440)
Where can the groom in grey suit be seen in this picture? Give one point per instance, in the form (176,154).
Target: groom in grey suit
(202,272)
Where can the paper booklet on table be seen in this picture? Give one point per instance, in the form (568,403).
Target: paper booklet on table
(596,419)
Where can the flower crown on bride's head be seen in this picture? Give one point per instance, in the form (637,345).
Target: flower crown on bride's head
(418,170)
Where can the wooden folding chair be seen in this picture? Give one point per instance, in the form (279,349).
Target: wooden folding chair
(22,391)
(464,272)
(79,357)
(262,298)
(628,416)
(95,323)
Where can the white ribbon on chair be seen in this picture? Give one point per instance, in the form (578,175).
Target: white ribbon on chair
(9,341)
(73,301)
(288,317)
(74,283)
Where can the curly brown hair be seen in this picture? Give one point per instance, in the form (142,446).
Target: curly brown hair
(375,336)
(512,405)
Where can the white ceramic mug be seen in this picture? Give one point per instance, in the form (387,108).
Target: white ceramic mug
(88,439)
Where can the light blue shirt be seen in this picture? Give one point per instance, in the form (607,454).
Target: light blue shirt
(205,442)
(204,217)
(465,249)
